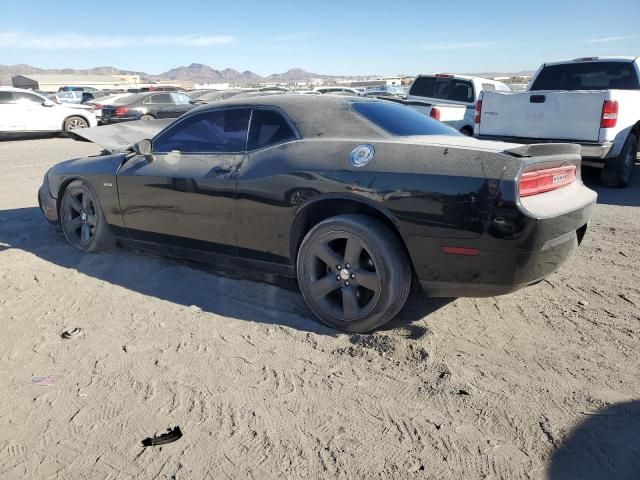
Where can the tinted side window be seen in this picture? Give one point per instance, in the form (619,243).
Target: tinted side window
(423,87)
(401,121)
(222,131)
(461,91)
(6,97)
(160,98)
(268,127)
(27,98)
(180,99)
(587,76)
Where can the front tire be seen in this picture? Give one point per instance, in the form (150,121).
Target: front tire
(353,272)
(74,123)
(83,222)
(617,171)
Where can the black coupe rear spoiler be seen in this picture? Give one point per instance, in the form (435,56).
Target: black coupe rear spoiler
(120,136)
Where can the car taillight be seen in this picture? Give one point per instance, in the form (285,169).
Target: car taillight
(118,112)
(96,106)
(609,114)
(476,119)
(435,113)
(540,181)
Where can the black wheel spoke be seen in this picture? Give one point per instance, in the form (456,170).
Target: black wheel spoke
(368,280)
(91,220)
(352,251)
(75,224)
(85,233)
(322,287)
(86,201)
(350,307)
(324,252)
(75,204)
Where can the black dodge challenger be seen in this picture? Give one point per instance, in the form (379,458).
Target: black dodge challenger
(355,197)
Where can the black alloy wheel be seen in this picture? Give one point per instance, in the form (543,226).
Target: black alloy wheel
(82,220)
(353,272)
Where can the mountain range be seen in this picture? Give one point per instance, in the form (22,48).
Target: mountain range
(196,72)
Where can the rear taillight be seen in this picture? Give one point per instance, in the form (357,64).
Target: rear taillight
(540,181)
(476,119)
(435,113)
(609,114)
(118,112)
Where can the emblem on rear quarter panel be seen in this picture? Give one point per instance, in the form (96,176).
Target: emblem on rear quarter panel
(361,155)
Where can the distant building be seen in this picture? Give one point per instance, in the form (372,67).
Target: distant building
(52,83)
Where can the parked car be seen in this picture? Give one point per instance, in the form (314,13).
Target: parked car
(339,90)
(195,94)
(592,101)
(66,96)
(218,95)
(77,89)
(98,103)
(147,106)
(27,111)
(454,97)
(354,196)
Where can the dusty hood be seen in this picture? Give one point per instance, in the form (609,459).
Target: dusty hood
(120,136)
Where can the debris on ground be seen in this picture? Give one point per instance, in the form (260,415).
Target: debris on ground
(172,435)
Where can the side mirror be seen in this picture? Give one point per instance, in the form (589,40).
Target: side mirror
(144,147)
(48,103)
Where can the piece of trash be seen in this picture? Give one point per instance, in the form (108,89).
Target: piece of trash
(71,333)
(171,436)
(462,392)
(582,303)
(43,381)
(195,308)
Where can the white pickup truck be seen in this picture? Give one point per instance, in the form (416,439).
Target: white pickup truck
(450,99)
(594,102)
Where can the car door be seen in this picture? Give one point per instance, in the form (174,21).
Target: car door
(184,196)
(36,114)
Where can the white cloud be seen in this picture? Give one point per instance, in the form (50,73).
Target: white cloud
(611,39)
(77,41)
(459,45)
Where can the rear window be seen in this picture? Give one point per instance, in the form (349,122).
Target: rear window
(445,88)
(401,121)
(423,87)
(6,97)
(587,76)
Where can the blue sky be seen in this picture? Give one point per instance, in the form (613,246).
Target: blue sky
(347,37)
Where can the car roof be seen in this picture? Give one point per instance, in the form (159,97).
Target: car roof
(315,116)
(610,58)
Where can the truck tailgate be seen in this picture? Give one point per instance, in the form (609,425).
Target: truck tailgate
(553,115)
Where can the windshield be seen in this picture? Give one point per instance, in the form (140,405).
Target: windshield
(401,121)
(587,76)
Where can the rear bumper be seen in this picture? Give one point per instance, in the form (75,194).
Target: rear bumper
(518,249)
(588,150)
(110,120)
(47,203)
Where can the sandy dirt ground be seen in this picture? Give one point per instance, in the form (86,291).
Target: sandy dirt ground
(540,384)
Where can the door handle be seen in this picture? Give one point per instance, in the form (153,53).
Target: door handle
(537,99)
(220,169)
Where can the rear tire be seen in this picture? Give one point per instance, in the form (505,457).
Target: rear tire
(617,171)
(147,117)
(353,272)
(83,222)
(74,123)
